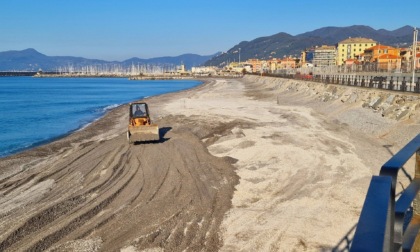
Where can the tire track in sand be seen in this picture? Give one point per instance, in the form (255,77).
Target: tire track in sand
(46,218)
(171,195)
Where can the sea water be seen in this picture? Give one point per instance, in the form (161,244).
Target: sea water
(34,111)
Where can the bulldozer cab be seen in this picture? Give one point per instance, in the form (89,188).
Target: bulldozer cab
(139,114)
(138,110)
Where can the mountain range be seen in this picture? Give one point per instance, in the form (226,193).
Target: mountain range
(282,44)
(275,46)
(32,60)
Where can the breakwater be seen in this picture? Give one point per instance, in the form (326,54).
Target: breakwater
(128,76)
(12,74)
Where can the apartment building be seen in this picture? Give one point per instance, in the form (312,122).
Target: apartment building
(385,57)
(407,57)
(273,64)
(287,63)
(307,56)
(372,54)
(257,65)
(324,56)
(351,47)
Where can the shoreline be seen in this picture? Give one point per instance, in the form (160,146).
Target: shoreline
(63,135)
(81,127)
(254,164)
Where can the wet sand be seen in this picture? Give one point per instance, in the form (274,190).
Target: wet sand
(242,165)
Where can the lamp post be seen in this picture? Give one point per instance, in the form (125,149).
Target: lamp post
(239,55)
(414,53)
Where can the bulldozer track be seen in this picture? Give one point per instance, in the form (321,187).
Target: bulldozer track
(146,195)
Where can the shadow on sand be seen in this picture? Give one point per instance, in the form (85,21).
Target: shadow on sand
(162,133)
(345,242)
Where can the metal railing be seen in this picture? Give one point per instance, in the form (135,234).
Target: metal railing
(386,82)
(393,83)
(387,223)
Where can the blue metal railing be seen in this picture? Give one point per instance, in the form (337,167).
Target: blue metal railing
(383,224)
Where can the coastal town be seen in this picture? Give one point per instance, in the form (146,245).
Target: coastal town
(352,54)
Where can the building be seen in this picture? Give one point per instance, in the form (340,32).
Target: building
(385,57)
(388,62)
(371,54)
(351,47)
(324,56)
(237,67)
(407,58)
(307,56)
(256,64)
(273,64)
(204,70)
(287,63)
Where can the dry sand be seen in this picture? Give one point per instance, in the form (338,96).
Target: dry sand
(251,164)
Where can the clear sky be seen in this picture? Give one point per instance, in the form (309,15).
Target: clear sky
(121,29)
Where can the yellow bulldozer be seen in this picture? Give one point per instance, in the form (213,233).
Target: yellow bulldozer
(140,127)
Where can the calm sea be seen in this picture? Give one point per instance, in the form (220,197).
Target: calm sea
(35,111)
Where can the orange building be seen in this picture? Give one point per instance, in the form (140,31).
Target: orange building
(256,64)
(371,54)
(389,62)
(287,63)
(386,57)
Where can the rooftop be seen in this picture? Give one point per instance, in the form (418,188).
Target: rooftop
(325,47)
(379,47)
(357,40)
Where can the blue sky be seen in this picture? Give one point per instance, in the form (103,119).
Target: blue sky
(121,29)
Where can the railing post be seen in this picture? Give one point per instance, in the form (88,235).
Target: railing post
(404,84)
(391,83)
(374,230)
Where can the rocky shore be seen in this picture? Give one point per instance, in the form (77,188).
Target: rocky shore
(250,164)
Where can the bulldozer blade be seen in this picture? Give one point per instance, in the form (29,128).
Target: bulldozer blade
(144,133)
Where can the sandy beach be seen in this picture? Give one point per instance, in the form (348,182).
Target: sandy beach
(248,164)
